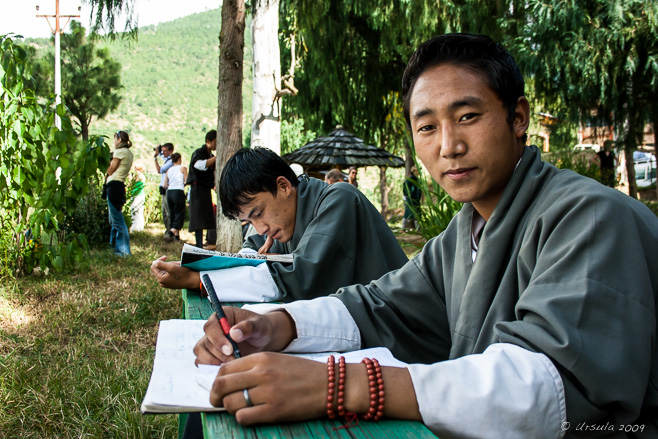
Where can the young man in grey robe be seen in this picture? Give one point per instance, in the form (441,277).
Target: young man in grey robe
(532,316)
(336,236)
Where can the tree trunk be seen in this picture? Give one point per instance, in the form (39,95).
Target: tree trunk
(84,128)
(630,170)
(265,113)
(229,125)
(383,191)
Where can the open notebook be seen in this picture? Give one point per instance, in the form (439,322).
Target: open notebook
(178,386)
(198,259)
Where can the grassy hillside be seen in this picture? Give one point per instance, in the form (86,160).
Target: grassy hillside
(170,78)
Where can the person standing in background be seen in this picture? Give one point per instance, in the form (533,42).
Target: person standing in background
(165,150)
(139,199)
(201,178)
(607,161)
(351,177)
(175,185)
(122,160)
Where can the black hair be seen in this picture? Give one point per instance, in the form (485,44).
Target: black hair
(248,172)
(476,52)
(211,135)
(168,146)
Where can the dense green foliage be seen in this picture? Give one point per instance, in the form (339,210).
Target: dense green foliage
(599,59)
(43,172)
(436,210)
(351,64)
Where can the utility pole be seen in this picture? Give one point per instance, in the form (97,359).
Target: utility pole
(57,31)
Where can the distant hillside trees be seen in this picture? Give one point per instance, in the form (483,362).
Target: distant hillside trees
(91,78)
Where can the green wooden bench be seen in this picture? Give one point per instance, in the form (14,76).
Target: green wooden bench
(223,425)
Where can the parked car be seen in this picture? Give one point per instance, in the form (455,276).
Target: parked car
(587,147)
(645,168)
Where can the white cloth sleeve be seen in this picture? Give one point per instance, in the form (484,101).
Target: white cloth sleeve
(323,325)
(506,391)
(200,165)
(244,284)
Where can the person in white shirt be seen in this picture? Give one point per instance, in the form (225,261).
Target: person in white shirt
(175,185)
(164,150)
(521,320)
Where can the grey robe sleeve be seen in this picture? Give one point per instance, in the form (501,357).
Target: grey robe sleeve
(590,306)
(404,310)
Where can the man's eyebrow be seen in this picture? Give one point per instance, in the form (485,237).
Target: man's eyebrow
(251,213)
(422,112)
(467,101)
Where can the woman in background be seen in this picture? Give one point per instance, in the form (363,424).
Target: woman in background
(122,160)
(175,184)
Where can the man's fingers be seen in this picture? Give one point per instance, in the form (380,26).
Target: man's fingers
(266,247)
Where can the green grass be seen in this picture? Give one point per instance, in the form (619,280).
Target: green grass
(76,350)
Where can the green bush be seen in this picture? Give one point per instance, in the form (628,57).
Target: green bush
(436,210)
(44,172)
(90,217)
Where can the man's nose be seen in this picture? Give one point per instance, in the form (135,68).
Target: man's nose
(452,145)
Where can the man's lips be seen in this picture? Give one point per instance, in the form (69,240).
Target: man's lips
(459,173)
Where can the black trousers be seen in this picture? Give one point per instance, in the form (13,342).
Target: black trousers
(176,202)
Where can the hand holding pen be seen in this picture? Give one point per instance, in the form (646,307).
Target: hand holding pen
(219,312)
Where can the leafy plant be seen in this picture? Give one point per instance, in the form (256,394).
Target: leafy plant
(90,217)
(44,171)
(437,209)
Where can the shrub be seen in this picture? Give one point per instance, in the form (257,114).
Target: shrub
(90,217)
(437,209)
(44,172)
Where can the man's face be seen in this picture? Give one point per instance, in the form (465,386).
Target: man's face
(271,215)
(211,144)
(461,134)
(167,152)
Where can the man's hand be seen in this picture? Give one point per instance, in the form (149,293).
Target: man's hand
(253,333)
(281,387)
(266,247)
(172,275)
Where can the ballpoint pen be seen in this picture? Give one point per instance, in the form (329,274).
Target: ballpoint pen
(219,312)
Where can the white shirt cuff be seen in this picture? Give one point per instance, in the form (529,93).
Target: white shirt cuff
(244,284)
(506,391)
(200,165)
(323,325)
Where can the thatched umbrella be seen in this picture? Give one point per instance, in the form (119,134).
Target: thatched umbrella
(340,149)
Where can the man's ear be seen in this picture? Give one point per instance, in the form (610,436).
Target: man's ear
(283,185)
(521,117)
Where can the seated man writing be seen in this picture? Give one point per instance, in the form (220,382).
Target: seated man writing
(519,321)
(336,236)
